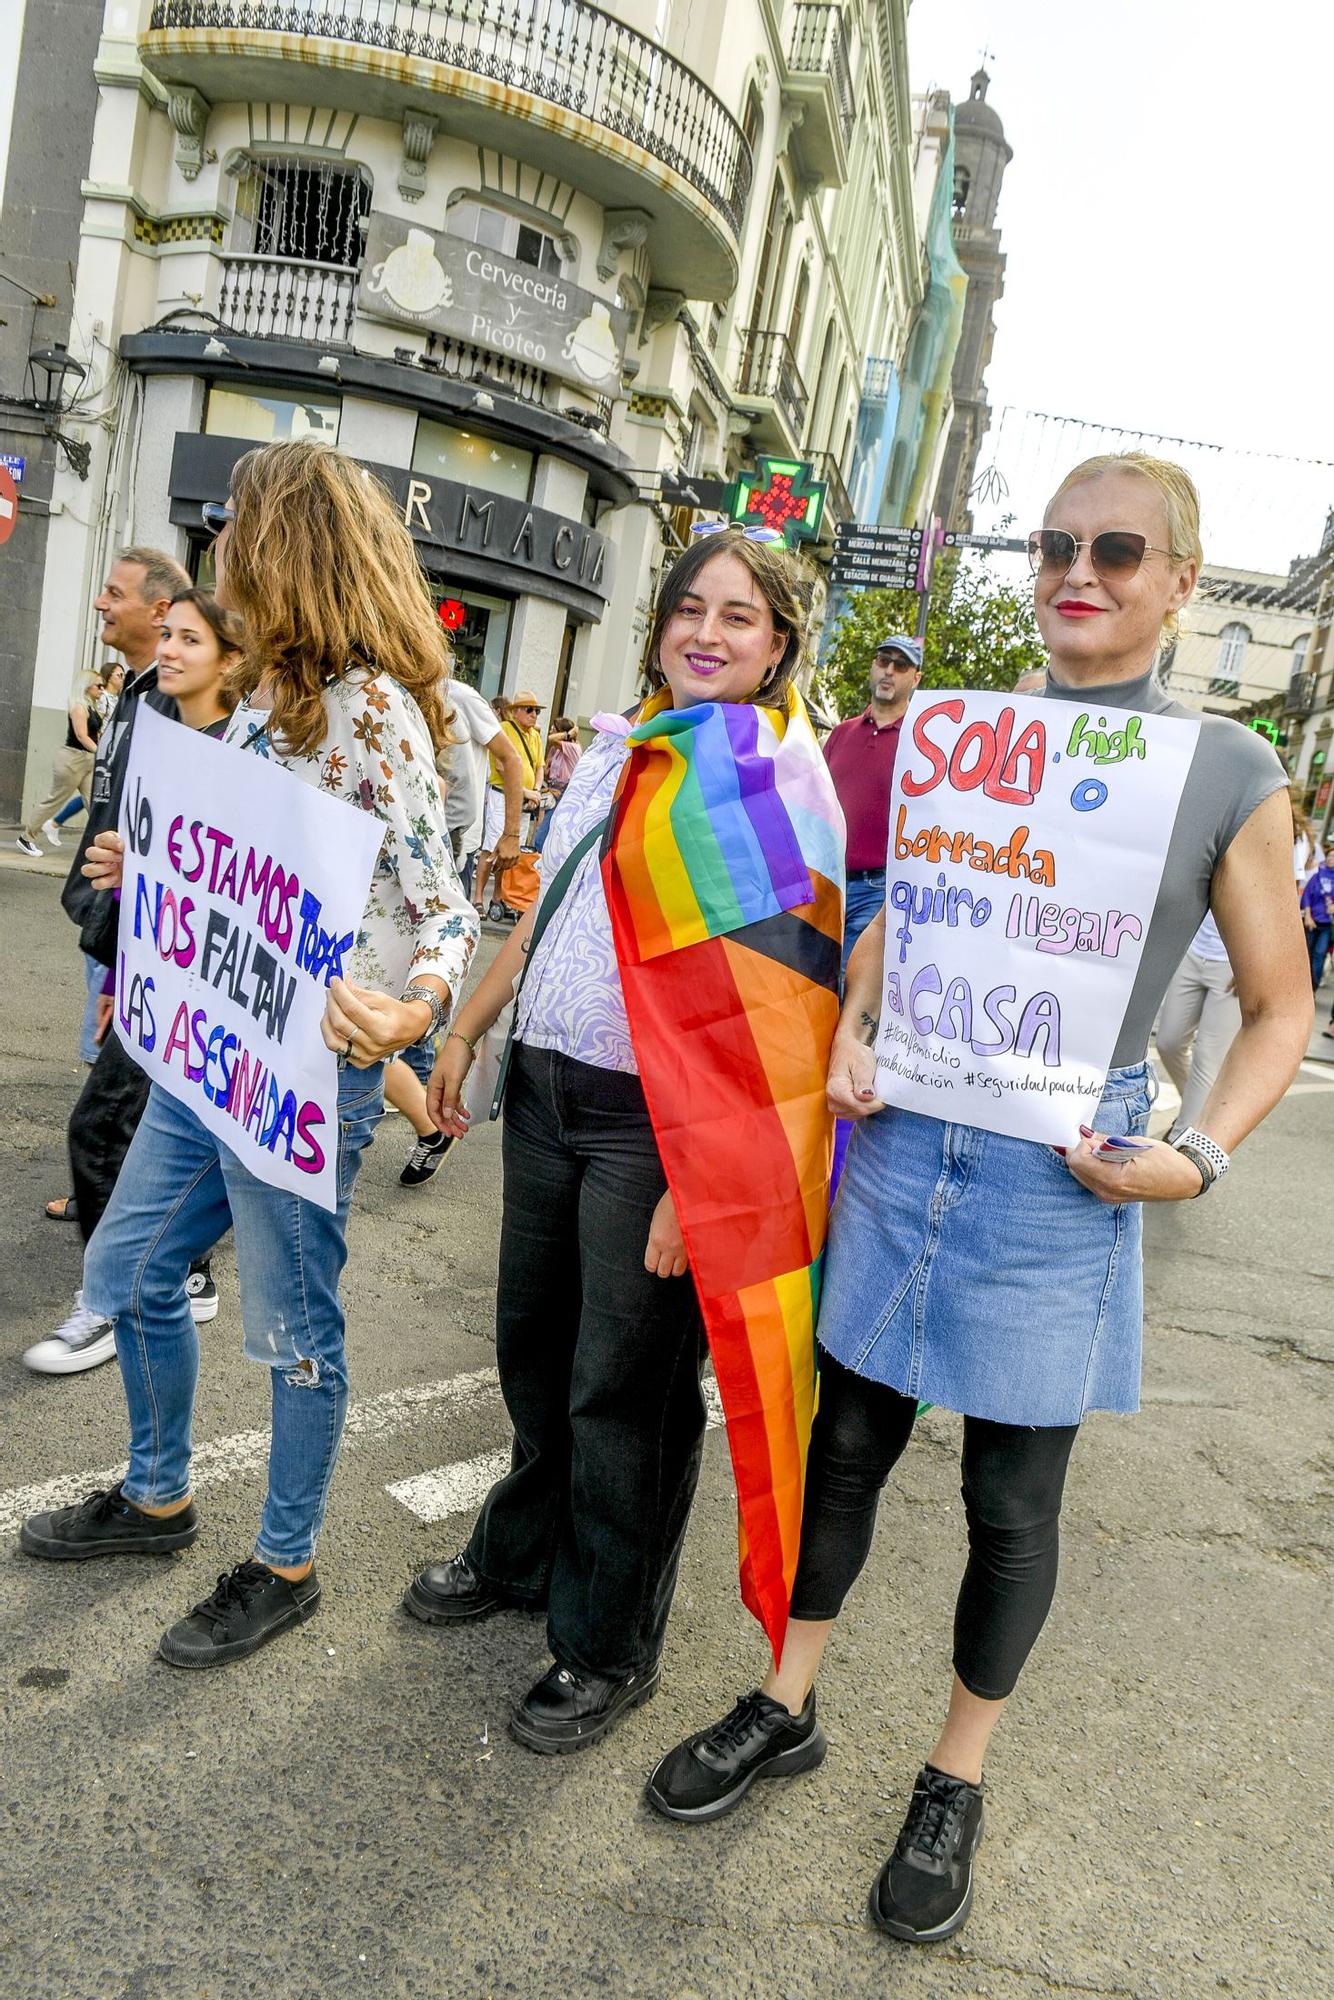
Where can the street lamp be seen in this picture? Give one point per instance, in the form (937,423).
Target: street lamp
(55,363)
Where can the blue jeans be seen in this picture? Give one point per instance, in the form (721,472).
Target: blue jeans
(865,895)
(94,979)
(179,1189)
(1317,943)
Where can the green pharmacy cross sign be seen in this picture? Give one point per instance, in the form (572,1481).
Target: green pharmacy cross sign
(781,493)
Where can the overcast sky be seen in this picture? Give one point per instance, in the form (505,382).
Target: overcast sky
(1168,227)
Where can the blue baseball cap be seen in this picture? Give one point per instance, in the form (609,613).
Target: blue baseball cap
(911,649)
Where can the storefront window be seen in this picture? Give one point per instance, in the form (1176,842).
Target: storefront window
(442,452)
(268,419)
(478,628)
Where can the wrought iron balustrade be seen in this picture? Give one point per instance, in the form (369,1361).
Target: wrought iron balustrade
(566,52)
(1300,697)
(820,46)
(287,298)
(769,370)
(837,500)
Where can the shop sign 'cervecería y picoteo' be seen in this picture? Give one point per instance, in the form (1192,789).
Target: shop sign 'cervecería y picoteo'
(423,277)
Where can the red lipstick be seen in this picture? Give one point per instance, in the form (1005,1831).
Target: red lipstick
(1075,607)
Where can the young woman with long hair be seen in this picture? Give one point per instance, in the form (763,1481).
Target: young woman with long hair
(340,683)
(987,1275)
(665,1121)
(198,645)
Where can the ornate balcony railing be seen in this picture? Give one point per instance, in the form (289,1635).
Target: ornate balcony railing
(820,46)
(769,370)
(566,52)
(1300,696)
(283,298)
(837,500)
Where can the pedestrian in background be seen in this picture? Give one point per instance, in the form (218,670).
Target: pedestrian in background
(341,684)
(1317,906)
(861,753)
(932,1292)
(518,715)
(1198,1022)
(72,768)
(563,753)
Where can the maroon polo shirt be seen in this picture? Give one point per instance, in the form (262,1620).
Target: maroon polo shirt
(861,757)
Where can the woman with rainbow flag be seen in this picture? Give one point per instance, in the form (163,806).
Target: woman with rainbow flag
(666,1122)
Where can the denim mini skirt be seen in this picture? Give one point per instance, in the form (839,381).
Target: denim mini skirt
(973,1271)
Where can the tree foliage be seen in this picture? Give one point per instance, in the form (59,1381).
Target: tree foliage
(980,633)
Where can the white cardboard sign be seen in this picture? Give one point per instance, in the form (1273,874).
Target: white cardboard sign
(243,892)
(1026,844)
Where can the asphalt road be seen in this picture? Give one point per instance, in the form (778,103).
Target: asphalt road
(345,1815)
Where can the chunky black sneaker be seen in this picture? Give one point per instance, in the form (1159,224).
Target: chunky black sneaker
(249,1607)
(567,1711)
(925,1890)
(202,1293)
(425,1157)
(711,1772)
(106,1524)
(449,1591)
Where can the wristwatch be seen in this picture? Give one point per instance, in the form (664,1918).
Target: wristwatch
(1205,1154)
(433,1001)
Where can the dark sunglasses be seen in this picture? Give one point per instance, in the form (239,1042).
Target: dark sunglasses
(525,708)
(1114,553)
(214,515)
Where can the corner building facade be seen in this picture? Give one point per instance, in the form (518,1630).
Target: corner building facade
(555,273)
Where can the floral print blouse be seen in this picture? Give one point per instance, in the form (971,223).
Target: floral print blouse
(377,754)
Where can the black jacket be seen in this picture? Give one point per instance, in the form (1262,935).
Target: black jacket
(80,900)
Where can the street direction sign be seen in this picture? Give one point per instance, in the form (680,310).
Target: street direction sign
(9,505)
(862,576)
(851,537)
(14,465)
(1017,546)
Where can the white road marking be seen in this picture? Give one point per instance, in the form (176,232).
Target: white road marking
(246,1451)
(457,1489)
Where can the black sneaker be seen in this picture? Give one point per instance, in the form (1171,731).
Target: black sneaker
(425,1157)
(567,1711)
(249,1607)
(202,1293)
(711,1772)
(26,846)
(106,1524)
(925,1890)
(450,1591)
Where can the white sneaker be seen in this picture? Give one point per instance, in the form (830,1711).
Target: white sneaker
(26,846)
(84,1341)
(52,832)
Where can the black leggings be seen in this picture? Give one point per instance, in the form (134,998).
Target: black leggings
(1012,1484)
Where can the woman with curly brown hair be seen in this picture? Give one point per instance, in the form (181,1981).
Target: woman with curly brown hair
(340,682)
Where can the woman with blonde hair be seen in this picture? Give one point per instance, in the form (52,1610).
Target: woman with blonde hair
(339,683)
(991,1276)
(665,1122)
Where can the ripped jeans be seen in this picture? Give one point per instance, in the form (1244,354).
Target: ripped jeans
(177,1192)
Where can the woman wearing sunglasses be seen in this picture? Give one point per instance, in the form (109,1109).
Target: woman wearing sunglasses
(340,681)
(950,1245)
(666,1144)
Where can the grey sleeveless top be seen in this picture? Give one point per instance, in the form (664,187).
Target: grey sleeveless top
(1232,772)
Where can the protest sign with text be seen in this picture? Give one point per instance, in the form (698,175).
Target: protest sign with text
(1026,845)
(243,892)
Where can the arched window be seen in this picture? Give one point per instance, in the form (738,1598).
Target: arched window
(1232,643)
(1300,648)
(963,182)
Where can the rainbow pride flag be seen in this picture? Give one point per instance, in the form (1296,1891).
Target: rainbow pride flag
(723,869)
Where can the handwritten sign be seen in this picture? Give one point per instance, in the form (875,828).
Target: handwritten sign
(1026,844)
(243,892)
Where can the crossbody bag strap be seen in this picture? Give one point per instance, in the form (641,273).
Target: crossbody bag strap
(547,908)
